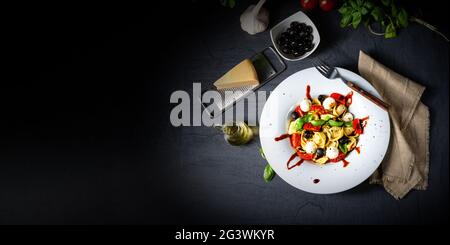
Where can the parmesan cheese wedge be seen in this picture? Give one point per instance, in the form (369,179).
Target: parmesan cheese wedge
(243,74)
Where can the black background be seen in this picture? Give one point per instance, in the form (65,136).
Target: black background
(85,135)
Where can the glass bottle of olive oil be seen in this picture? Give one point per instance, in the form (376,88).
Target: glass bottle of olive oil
(238,133)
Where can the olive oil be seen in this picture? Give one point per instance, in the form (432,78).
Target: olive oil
(238,133)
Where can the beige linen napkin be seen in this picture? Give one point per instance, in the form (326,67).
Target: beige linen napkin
(405,165)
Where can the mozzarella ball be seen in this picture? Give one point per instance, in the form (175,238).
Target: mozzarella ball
(347,117)
(310,147)
(332,152)
(329,103)
(305,105)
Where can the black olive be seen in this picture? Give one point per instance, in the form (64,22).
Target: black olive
(294,115)
(308,29)
(299,53)
(322,97)
(286,50)
(309,48)
(344,140)
(285,45)
(302,25)
(320,152)
(308,134)
(295,24)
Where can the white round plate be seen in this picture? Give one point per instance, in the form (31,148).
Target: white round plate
(333,177)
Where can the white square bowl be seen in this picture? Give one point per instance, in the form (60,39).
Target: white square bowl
(283,25)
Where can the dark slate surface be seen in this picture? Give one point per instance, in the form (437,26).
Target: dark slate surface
(90,142)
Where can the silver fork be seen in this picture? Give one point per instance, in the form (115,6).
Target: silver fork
(332,73)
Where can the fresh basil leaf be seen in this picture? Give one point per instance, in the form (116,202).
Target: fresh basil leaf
(377,14)
(317,122)
(334,123)
(366,22)
(307,118)
(368,5)
(299,124)
(386,2)
(356,16)
(268,173)
(353,3)
(394,10)
(364,11)
(402,18)
(261,152)
(359,2)
(343,148)
(346,19)
(348,124)
(390,31)
(345,9)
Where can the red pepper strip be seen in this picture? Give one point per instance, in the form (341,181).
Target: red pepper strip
(349,98)
(339,98)
(305,156)
(339,157)
(364,122)
(296,140)
(309,126)
(357,126)
(297,164)
(345,163)
(308,90)
(318,109)
(299,111)
(290,160)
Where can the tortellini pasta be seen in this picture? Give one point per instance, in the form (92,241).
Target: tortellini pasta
(321,129)
(320,139)
(335,133)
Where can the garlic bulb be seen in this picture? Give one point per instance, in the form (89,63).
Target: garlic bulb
(255,19)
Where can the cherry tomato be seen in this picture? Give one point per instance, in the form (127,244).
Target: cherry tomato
(296,140)
(299,111)
(349,98)
(357,126)
(309,4)
(309,126)
(339,98)
(340,157)
(327,5)
(319,109)
(305,156)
